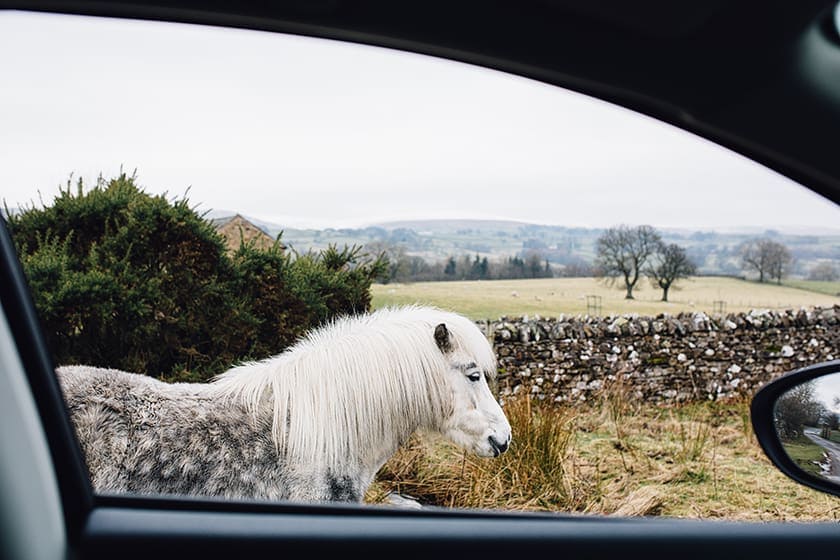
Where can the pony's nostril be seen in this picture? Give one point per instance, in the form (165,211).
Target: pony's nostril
(499,447)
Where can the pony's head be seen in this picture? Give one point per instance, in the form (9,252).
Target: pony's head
(476,421)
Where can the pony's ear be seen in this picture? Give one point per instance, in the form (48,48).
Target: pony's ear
(442,338)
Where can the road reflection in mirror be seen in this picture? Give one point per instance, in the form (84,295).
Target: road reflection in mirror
(807,420)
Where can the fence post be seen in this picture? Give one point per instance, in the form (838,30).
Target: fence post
(593,305)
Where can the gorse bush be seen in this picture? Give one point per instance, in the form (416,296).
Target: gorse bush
(128,280)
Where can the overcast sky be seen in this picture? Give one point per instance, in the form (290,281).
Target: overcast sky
(827,389)
(303,131)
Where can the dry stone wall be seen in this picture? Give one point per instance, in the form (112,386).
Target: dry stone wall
(667,359)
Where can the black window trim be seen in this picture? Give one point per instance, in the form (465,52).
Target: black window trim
(137,526)
(69,466)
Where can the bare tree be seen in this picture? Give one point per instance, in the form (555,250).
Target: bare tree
(623,252)
(832,420)
(796,409)
(824,272)
(768,258)
(780,262)
(669,264)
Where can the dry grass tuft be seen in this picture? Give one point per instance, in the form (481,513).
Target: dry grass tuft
(537,472)
(647,500)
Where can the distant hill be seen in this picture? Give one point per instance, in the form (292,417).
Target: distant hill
(451,224)
(715,251)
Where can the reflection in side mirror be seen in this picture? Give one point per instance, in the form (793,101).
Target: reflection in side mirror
(797,421)
(807,419)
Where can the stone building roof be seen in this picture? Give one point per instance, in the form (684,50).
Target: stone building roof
(236,228)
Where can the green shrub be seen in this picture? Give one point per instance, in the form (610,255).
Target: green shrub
(133,281)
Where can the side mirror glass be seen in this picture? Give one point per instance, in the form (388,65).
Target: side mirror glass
(797,421)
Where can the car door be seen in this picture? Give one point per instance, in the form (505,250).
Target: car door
(49,509)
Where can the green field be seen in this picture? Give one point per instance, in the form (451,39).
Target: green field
(830,288)
(550,297)
(806,454)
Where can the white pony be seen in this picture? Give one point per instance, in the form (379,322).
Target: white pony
(314,423)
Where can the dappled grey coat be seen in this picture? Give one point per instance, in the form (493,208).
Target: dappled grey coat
(143,436)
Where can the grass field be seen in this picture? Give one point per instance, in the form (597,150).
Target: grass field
(830,288)
(805,453)
(554,296)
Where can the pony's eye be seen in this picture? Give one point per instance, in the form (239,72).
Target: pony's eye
(475,376)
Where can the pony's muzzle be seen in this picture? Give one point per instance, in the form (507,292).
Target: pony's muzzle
(499,447)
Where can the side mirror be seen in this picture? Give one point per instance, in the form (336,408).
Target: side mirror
(796,419)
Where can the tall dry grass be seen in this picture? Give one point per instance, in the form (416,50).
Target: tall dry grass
(610,456)
(537,472)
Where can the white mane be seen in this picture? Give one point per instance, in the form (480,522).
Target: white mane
(357,380)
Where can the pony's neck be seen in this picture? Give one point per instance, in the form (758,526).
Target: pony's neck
(337,430)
